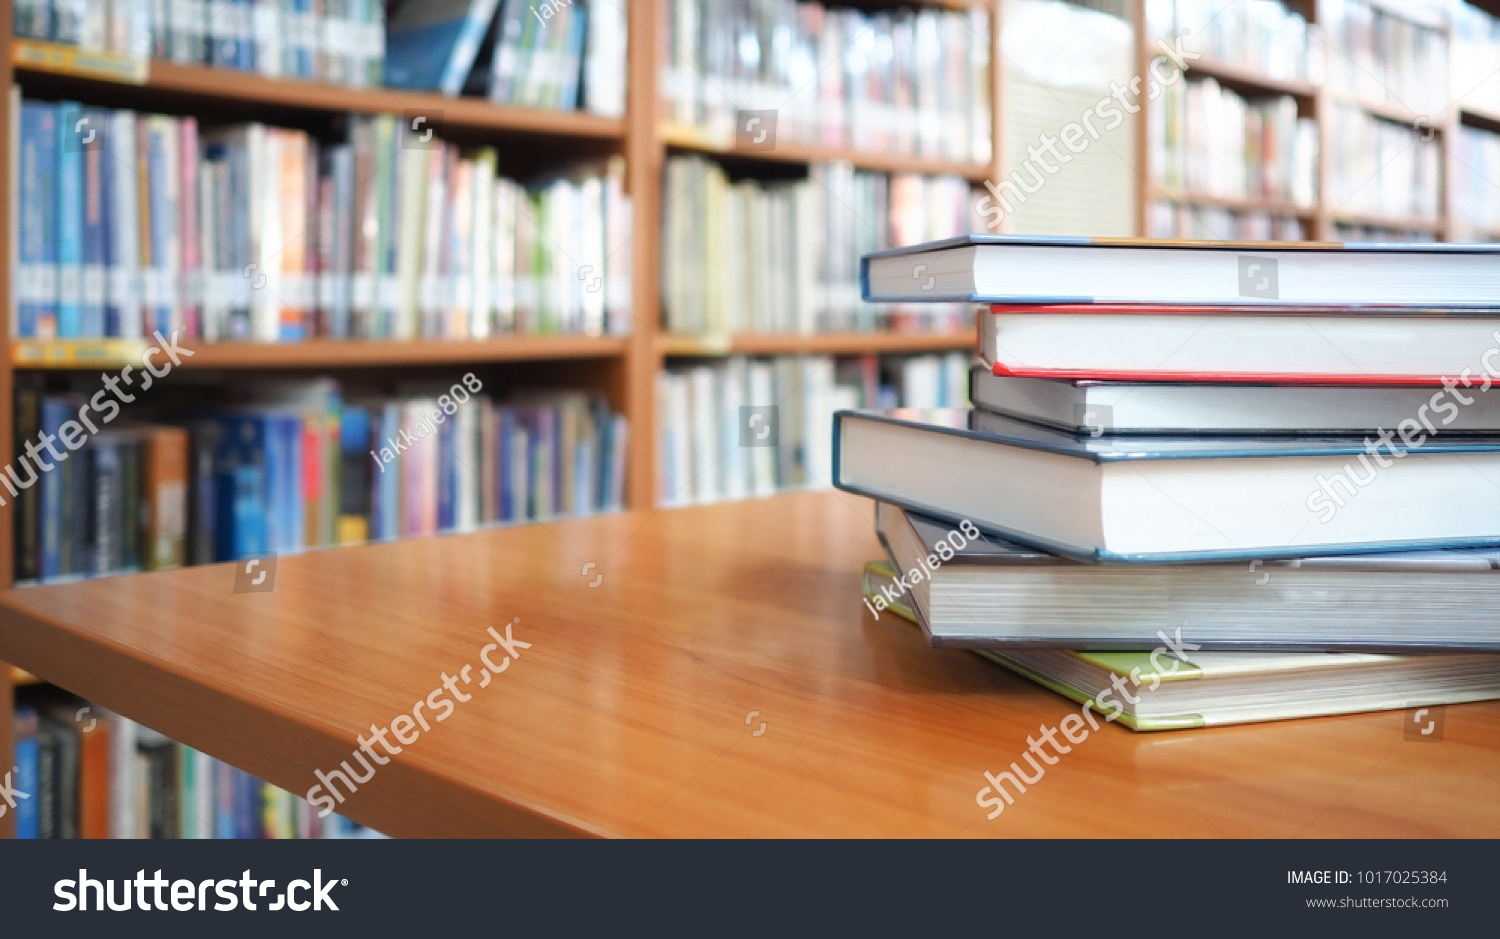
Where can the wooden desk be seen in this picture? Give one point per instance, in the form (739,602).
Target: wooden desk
(634,711)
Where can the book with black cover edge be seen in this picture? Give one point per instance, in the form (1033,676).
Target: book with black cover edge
(1013,432)
(986,550)
(986,388)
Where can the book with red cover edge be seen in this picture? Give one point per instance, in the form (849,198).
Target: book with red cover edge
(1237,378)
(1215,378)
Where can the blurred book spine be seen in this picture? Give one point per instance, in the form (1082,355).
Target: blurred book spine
(907,82)
(782,257)
(133,223)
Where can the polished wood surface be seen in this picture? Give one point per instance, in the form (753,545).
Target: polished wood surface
(636,709)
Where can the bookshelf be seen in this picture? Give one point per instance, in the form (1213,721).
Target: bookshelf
(1317,100)
(626,365)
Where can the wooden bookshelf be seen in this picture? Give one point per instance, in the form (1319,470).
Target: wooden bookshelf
(322,353)
(201,86)
(1239,204)
(1249,81)
(818,344)
(679,137)
(642,135)
(1390,222)
(1315,101)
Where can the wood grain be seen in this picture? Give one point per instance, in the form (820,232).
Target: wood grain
(632,713)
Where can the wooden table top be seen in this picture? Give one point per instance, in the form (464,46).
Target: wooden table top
(722,679)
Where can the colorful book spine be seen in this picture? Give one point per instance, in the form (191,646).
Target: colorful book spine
(36,286)
(70,130)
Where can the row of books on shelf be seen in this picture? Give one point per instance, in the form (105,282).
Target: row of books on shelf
(1377,54)
(1476,179)
(751,256)
(889,82)
(91,773)
(750,427)
(1379,167)
(130,223)
(340,42)
(1263,36)
(1208,139)
(296,466)
(1198,222)
(558,55)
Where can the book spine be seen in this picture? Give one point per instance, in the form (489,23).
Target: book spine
(36,287)
(95,221)
(124,812)
(27,534)
(27,771)
(70,185)
(132,488)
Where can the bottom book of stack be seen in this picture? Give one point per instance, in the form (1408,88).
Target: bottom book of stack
(1177,686)
(90,773)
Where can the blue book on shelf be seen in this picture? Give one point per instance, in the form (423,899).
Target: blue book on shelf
(244,48)
(25,781)
(430,45)
(95,230)
(573,56)
(36,278)
(246,805)
(69,222)
(223,800)
(240,489)
(447,468)
(283,480)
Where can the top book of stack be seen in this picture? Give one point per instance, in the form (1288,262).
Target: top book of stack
(1010,269)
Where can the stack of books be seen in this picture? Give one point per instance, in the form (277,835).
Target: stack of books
(1267,468)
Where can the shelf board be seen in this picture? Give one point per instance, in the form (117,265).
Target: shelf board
(320,353)
(1235,203)
(210,84)
(822,344)
(19,677)
(1248,79)
(60,59)
(1392,222)
(698,140)
(1391,111)
(1482,118)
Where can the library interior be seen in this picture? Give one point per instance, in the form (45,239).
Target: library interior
(523,374)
